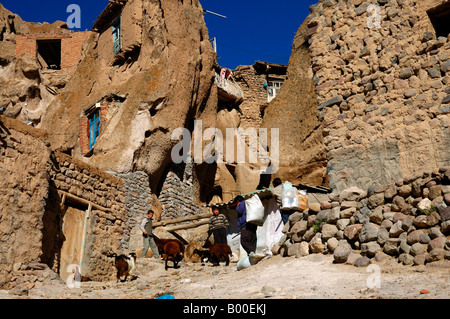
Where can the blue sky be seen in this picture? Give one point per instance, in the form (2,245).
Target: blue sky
(254,29)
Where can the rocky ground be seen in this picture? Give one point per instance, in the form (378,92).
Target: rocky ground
(314,276)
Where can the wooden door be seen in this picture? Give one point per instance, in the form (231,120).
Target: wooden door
(71,249)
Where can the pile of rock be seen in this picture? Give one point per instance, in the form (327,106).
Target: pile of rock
(27,276)
(408,220)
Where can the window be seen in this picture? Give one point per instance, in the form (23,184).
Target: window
(273,88)
(117,33)
(439,17)
(94,128)
(49,53)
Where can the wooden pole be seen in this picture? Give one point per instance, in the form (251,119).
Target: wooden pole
(187,226)
(182,219)
(83,201)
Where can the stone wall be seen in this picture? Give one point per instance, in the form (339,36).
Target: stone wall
(252,79)
(138,199)
(38,187)
(177,193)
(408,220)
(382,91)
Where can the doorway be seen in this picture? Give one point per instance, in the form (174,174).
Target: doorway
(73,232)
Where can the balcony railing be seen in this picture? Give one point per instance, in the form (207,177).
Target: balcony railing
(228,88)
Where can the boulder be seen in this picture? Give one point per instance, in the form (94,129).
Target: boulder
(414,237)
(390,192)
(435,255)
(424,238)
(342,223)
(418,249)
(424,204)
(316,246)
(435,233)
(334,215)
(352,194)
(342,252)
(391,246)
(396,229)
(362,262)
(332,244)
(370,249)
(298,230)
(419,260)
(406,259)
(369,232)
(352,231)
(435,191)
(420,221)
(298,250)
(376,200)
(404,190)
(383,236)
(314,207)
(347,213)
(437,243)
(445,227)
(328,231)
(295,217)
(445,213)
(376,216)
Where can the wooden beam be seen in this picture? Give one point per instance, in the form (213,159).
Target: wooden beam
(182,219)
(83,201)
(187,226)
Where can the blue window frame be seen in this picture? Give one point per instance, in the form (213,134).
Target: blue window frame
(94,128)
(117,36)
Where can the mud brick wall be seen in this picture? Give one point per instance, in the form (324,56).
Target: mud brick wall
(33,182)
(383,92)
(107,229)
(25,169)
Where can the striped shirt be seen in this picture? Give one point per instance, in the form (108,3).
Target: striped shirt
(217,222)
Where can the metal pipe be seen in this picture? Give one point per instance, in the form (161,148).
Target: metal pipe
(216,14)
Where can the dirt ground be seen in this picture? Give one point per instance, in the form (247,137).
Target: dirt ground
(314,276)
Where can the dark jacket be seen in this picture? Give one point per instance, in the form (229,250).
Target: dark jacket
(242,214)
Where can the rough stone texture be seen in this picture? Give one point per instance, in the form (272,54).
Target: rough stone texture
(26,87)
(36,181)
(170,59)
(295,109)
(342,252)
(379,91)
(25,168)
(413,236)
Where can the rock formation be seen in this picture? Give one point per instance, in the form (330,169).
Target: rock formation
(163,80)
(25,88)
(381,76)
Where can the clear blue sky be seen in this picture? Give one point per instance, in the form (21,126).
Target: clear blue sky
(254,29)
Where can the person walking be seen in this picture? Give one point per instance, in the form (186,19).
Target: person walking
(147,232)
(248,230)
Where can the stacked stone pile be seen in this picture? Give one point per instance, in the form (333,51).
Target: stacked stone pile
(408,220)
(31,275)
(177,194)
